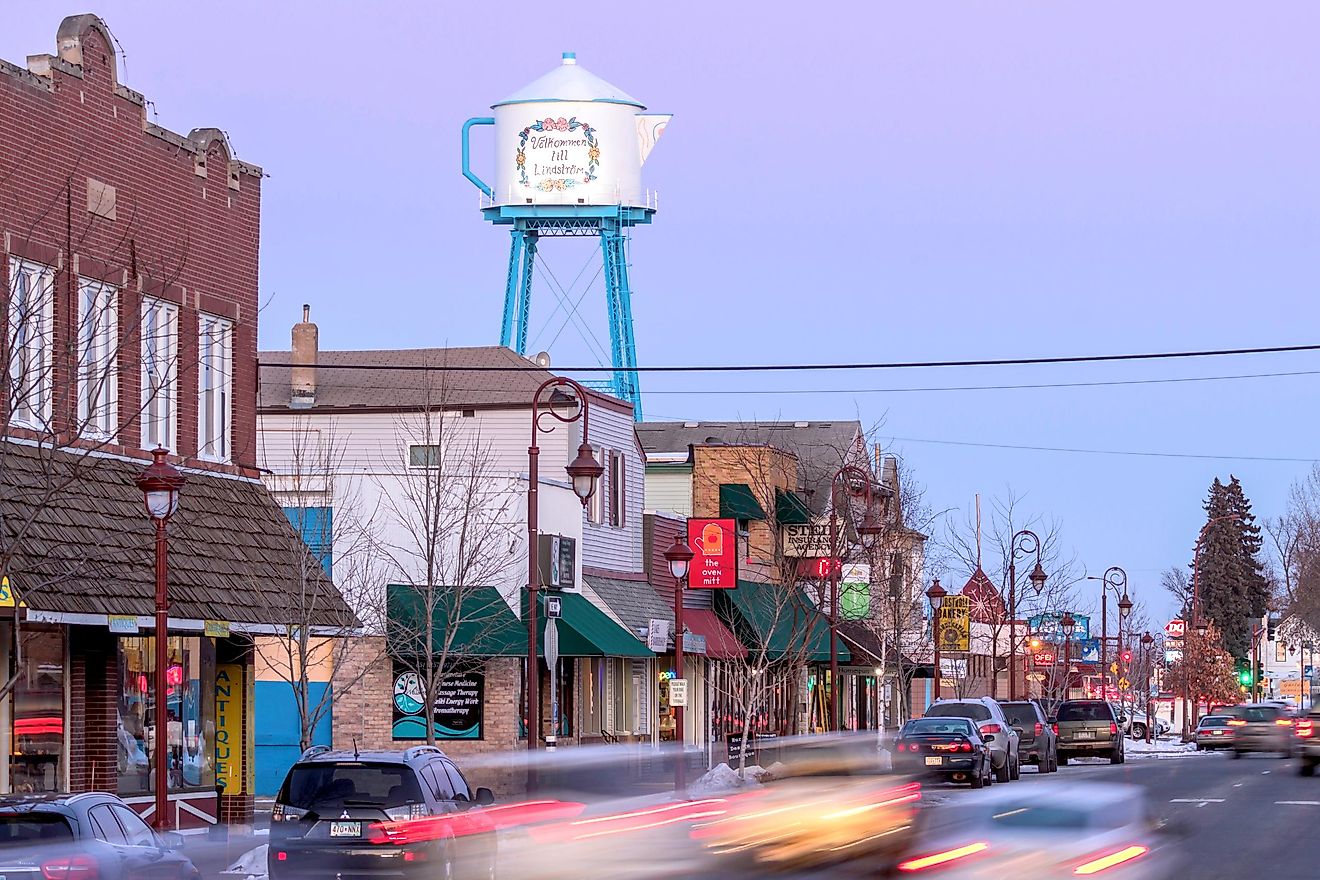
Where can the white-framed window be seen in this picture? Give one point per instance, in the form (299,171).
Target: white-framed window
(160,349)
(30,343)
(424,455)
(214,387)
(617,471)
(98,375)
(596,503)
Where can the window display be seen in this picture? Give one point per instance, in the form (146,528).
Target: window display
(36,759)
(190,707)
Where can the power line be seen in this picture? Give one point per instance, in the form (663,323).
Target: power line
(1186,455)
(893,365)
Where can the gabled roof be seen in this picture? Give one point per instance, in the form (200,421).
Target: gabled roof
(987,605)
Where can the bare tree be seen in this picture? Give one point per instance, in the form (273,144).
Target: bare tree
(1294,538)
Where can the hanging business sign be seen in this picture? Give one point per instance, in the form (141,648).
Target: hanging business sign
(678,692)
(1175,629)
(954,623)
(456,711)
(715,543)
(1049,627)
(808,539)
(556,562)
(657,635)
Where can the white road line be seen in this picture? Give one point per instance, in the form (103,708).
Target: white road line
(1264,773)
(1237,785)
(1300,803)
(1196,801)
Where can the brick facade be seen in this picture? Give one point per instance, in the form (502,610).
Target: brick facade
(763,469)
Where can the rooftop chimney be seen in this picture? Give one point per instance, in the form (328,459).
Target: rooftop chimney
(305,346)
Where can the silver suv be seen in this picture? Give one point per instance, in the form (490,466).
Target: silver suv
(994,728)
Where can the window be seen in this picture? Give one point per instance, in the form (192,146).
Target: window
(36,759)
(98,377)
(324,787)
(618,477)
(435,778)
(160,333)
(31,301)
(1280,652)
(316,527)
(215,357)
(190,709)
(104,825)
(596,503)
(461,790)
(424,456)
(137,831)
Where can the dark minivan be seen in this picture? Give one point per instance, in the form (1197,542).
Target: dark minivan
(379,814)
(1088,729)
(1037,742)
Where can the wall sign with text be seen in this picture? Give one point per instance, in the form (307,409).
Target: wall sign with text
(457,709)
(715,543)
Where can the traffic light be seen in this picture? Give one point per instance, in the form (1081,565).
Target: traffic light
(1244,673)
(1127,656)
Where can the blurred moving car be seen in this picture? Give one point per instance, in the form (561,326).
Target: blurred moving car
(948,747)
(1037,742)
(1260,727)
(993,726)
(1308,743)
(1051,830)
(379,813)
(1214,732)
(92,836)
(1088,729)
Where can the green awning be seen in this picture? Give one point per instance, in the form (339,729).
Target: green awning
(586,631)
(784,624)
(482,623)
(738,502)
(790,509)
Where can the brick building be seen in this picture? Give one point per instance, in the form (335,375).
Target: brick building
(130,322)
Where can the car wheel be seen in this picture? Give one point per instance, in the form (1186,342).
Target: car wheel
(1016,772)
(1063,760)
(1054,762)
(1116,756)
(1138,731)
(1004,773)
(978,778)
(1306,768)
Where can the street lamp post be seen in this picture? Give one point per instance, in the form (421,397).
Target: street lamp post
(1307,648)
(1067,624)
(679,556)
(1022,543)
(1146,641)
(584,472)
(1115,578)
(160,483)
(867,530)
(936,595)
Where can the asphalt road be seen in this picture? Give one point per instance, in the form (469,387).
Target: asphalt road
(1252,818)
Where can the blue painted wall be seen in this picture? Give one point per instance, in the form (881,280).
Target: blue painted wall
(277,732)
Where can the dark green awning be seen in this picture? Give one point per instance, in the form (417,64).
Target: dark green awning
(784,624)
(738,502)
(586,631)
(482,623)
(790,509)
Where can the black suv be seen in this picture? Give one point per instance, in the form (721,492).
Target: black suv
(89,835)
(1037,742)
(380,813)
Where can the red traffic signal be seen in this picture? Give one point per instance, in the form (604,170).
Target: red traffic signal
(1127,656)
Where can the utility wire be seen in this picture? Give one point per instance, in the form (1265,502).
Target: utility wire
(1187,455)
(893,365)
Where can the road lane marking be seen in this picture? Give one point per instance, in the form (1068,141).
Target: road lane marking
(1299,803)
(1264,773)
(1201,801)
(1237,785)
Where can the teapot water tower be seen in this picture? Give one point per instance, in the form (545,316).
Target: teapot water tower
(569,150)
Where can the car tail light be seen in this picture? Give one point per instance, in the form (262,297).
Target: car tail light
(70,868)
(900,746)
(1040,728)
(281,856)
(1113,729)
(991,728)
(1109,860)
(1283,722)
(407,811)
(1305,729)
(1236,722)
(1055,728)
(965,747)
(941,858)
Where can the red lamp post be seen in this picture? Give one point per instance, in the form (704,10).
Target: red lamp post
(869,528)
(936,595)
(1022,543)
(1067,624)
(679,556)
(584,472)
(160,483)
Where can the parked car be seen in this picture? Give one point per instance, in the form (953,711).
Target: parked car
(1088,729)
(375,813)
(1260,727)
(1214,732)
(90,835)
(993,727)
(948,747)
(1037,742)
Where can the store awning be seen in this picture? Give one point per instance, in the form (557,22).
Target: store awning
(790,509)
(782,622)
(738,502)
(482,623)
(586,631)
(721,643)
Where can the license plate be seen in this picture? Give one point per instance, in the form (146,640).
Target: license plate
(345,829)
(1216,733)
(934,762)
(1085,734)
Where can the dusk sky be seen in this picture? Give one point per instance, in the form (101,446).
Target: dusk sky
(857,182)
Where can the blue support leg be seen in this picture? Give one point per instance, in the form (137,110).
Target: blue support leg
(525,300)
(511,289)
(618,299)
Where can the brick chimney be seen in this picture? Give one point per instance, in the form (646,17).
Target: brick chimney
(305,346)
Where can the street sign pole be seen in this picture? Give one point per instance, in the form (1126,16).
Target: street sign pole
(552,663)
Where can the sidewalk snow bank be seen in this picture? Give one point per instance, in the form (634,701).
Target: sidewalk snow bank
(723,778)
(251,865)
(1160,748)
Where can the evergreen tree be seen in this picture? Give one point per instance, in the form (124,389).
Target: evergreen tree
(1232,584)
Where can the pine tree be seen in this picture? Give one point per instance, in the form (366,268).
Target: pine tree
(1232,583)
(1255,584)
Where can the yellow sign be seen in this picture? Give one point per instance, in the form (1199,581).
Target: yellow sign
(1124,684)
(7,595)
(216,629)
(230,719)
(953,624)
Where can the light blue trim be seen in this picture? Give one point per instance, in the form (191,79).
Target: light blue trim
(511,290)
(467,154)
(568,55)
(569,101)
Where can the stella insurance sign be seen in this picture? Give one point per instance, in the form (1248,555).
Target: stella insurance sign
(715,543)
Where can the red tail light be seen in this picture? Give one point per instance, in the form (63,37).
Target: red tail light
(991,728)
(1040,728)
(281,856)
(1109,860)
(1306,729)
(965,747)
(1055,728)
(1236,722)
(943,858)
(70,868)
(1113,729)
(900,746)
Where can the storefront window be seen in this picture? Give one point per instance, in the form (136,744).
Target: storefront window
(36,760)
(190,706)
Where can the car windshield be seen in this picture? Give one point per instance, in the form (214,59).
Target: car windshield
(17,830)
(1214,721)
(1021,714)
(1261,713)
(975,711)
(320,786)
(1085,712)
(921,726)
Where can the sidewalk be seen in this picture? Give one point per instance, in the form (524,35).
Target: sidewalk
(212,855)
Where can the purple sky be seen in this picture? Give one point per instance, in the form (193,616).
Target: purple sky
(909,182)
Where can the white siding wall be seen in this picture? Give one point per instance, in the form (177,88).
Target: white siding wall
(669,490)
(616,549)
(365,487)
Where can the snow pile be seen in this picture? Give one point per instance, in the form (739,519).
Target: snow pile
(723,778)
(1160,748)
(251,865)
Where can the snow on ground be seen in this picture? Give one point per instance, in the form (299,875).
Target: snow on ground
(251,865)
(1169,747)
